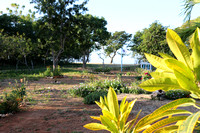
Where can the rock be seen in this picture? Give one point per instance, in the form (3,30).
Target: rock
(159,94)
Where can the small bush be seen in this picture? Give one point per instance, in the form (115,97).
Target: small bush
(102,69)
(94,96)
(128,74)
(146,76)
(134,89)
(97,86)
(176,94)
(57,71)
(48,72)
(10,101)
(138,78)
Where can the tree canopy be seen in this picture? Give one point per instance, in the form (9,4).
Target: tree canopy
(116,41)
(150,40)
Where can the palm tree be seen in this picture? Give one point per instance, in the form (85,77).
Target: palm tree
(188,6)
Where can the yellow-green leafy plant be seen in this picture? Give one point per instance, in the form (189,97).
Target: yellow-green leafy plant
(182,72)
(114,117)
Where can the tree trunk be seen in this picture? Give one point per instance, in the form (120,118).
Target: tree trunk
(32,65)
(111,61)
(25,62)
(84,62)
(17,64)
(103,63)
(54,63)
(54,60)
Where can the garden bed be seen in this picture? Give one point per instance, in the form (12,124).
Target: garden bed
(50,109)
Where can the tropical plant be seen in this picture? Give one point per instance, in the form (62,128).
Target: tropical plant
(94,96)
(10,101)
(181,73)
(114,117)
(188,6)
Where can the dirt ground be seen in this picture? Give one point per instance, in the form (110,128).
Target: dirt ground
(60,113)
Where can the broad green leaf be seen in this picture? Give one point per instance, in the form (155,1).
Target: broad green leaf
(96,118)
(189,124)
(109,124)
(131,123)
(113,102)
(157,62)
(186,83)
(158,112)
(160,83)
(122,104)
(173,104)
(151,119)
(130,106)
(165,56)
(178,48)
(194,96)
(95,126)
(122,122)
(109,115)
(164,122)
(180,67)
(167,129)
(162,75)
(195,45)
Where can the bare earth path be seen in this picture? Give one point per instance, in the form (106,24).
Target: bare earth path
(59,113)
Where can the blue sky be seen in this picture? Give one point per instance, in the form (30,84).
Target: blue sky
(129,16)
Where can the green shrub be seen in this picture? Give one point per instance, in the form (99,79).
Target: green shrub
(57,71)
(48,72)
(145,76)
(134,89)
(138,78)
(128,74)
(10,101)
(97,86)
(94,96)
(102,69)
(176,94)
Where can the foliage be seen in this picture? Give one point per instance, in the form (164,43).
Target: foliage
(97,86)
(187,29)
(55,72)
(102,69)
(114,117)
(128,73)
(48,72)
(116,41)
(91,34)
(94,96)
(56,28)
(188,6)
(176,94)
(10,101)
(145,76)
(181,73)
(151,40)
(139,71)
(134,89)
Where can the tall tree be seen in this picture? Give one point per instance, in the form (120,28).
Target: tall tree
(56,24)
(188,6)
(115,42)
(18,35)
(91,34)
(150,40)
